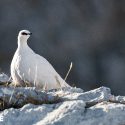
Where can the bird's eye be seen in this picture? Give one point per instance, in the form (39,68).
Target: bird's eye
(23,33)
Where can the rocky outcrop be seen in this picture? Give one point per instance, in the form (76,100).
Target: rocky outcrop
(95,107)
(66,106)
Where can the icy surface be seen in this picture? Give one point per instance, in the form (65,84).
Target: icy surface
(95,107)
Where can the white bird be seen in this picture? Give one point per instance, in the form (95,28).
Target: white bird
(29,67)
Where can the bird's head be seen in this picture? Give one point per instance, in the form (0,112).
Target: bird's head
(24,35)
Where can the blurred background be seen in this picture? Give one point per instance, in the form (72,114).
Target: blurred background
(89,33)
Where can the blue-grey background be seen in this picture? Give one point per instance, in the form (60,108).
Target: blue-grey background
(89,33)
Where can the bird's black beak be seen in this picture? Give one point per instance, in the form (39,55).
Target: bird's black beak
(30,33)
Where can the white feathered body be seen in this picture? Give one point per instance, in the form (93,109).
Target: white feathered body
(27,66)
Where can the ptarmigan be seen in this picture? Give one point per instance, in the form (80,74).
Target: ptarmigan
(29,67)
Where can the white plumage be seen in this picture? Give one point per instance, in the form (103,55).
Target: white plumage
(29,67)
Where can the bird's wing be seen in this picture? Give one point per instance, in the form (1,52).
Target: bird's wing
(50,73)
(45,65)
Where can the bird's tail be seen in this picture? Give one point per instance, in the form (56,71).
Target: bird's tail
(61,82)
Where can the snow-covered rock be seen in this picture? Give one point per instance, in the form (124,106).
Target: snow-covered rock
(3,78)
(66,113)
(95,107)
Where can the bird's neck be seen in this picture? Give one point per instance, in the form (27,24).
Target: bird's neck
(22,43)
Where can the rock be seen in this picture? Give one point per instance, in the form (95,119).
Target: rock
(95,107)
(3,78)
(104,113)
